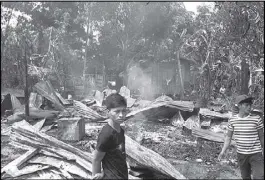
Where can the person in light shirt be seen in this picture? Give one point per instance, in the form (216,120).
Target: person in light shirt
(248,131)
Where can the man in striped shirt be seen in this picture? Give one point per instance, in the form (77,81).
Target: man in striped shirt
(248,133)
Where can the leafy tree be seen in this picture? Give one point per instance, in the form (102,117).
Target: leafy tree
(64,38)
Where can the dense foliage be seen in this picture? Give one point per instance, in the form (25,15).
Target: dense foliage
(72,39)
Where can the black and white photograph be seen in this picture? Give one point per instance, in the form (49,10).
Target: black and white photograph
(132,90)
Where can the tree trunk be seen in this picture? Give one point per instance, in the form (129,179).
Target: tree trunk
(245,75)
(209,84)
(104,74)
(5,35)
(209,80)
(207,60)
(40,42)
(85,60)
(180,77)
(26,87)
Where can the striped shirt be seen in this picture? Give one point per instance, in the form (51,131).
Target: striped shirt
(245,132)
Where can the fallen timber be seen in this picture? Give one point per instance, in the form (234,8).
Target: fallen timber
(209,135)
(34,113)
(214,115)
(87,112)
(25,134)
(165,108)
(74,162)
(148,158)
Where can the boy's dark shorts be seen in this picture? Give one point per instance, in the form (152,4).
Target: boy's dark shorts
(251,164)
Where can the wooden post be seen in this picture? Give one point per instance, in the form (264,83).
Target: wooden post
(180,77)
(26,86)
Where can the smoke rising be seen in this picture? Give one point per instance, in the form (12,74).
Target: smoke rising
(141,80)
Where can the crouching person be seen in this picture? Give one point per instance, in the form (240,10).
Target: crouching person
(248,133)
(110,149)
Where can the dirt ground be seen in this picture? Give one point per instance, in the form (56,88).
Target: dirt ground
(181,151)
(8,152)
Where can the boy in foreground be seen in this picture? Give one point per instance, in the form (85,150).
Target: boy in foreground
(249,137)
(110,149)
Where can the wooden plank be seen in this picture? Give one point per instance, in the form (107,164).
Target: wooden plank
(29,169)
(213,114)
(148,158)
(64,101)
(17,163)
(28,155)
(37,113)
(85,111)
(209,135)
(25,134)
(68,166)
(39,124)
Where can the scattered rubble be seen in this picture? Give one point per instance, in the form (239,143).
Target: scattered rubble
(58,159)
(62,100)
(45,89)
(48,157)
(25,134)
